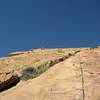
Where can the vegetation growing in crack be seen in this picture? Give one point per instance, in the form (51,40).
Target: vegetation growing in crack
(30,72)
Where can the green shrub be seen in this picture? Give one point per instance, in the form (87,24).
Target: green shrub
(28,73)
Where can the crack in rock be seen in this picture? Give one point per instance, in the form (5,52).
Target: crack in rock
(11,82)
(31,72)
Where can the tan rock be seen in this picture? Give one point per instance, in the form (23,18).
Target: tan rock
(60,74)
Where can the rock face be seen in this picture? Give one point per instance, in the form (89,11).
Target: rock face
(51,74)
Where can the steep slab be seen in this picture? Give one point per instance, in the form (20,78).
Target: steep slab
(76,78)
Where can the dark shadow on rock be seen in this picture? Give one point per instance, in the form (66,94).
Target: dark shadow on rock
(9,83)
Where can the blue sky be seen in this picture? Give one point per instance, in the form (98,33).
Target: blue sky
(27,24)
